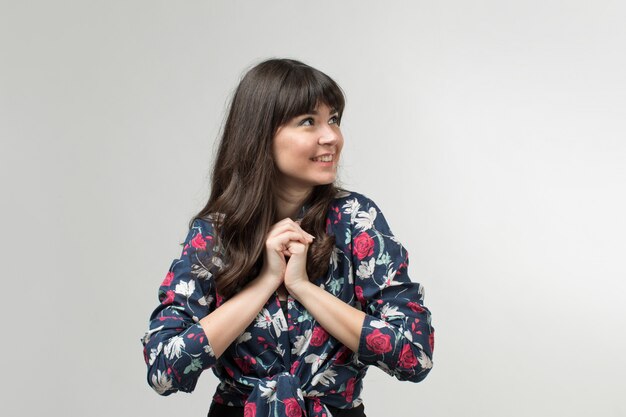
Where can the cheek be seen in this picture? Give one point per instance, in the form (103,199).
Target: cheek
(340,144)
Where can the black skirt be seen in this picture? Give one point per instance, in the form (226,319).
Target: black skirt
(221,410)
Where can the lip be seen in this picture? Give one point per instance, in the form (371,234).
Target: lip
(325,154)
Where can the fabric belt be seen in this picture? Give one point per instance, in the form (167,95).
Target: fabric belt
(282,393)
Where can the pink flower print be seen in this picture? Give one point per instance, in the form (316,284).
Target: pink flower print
(198,242)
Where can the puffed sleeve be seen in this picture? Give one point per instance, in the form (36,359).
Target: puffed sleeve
(176,349)
(397,335)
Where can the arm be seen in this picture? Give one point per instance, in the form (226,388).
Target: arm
(230,319)
(397,335)
(188,331)
(176,348)
(339,319)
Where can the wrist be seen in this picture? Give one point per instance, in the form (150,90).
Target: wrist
(267,281)
(299,289)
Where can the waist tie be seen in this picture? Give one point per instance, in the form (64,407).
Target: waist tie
(281,395)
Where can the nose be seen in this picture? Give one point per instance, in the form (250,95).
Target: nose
(329,136)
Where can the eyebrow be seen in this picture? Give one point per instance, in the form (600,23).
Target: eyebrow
(315,112)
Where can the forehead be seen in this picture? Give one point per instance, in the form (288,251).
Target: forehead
(322,108)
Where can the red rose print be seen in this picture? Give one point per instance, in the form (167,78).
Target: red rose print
(229,371)
(319,336)
(363,246)
(407,359)
(342,356)
(198,242)
(294,366)
(169,299)
(431,341)
(349,392)
(415,307)
(243,365)
(292,408)
(249,410)
(359,294)
(317,405)
(378,342)
(168,279)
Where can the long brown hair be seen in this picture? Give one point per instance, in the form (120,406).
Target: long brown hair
(244,174)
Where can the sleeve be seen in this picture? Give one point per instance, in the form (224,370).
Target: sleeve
(176,349)
(397,335)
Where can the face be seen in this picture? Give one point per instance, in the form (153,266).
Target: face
(306,150)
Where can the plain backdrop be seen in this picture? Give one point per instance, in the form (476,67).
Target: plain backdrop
(490,133)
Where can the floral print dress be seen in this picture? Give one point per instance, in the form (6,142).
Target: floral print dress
(290,365)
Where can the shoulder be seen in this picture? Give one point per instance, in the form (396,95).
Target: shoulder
(206,224)
(350,203)
(202,235)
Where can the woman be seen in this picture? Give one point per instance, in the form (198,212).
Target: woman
(288,287)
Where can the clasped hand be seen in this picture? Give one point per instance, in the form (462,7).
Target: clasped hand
(286,239)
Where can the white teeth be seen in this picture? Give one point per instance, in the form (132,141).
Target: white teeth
(325,158)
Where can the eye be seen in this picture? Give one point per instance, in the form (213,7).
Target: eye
(306,122)
(334,119)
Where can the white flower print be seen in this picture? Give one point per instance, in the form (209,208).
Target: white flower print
(200,271)
(302,343)
(388,278)
(424,360)
(365,220)
(174,347)
(390,312)
(315,361)
(161,383)
(244,337)
(185,288)
(208,349)
(350,274)
(334,257)
(324,378)
(268,391)
(280,350)
(149,333)
(206,300)
(366,269)
(263,319)
(217,261)
(155,352)
(279,322)
(351,207)
(313,393)
(379,324)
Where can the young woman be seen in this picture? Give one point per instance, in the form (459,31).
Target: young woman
(287,287)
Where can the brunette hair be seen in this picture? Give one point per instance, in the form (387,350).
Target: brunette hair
(241,205)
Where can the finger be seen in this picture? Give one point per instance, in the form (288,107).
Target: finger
(280,241)
(283,225)
(292,227)
(296,248)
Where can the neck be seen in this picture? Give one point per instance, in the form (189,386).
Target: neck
(289,203)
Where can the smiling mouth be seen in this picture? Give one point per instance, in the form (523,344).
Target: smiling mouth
(324,158)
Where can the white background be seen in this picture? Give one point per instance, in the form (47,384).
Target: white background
(490,133)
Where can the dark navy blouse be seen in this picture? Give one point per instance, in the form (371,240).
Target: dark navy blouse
(284,365)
